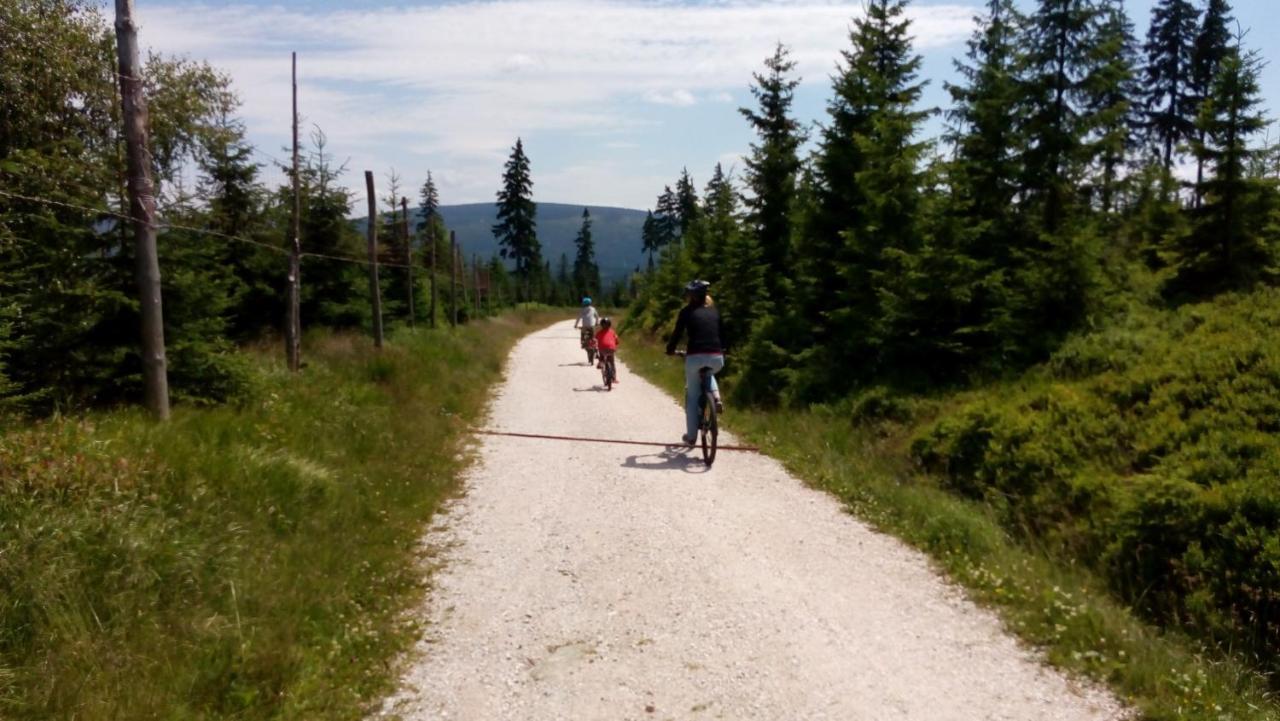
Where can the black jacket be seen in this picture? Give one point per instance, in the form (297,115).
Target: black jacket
(706,333)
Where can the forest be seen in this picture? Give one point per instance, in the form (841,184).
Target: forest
(68,304)
(1067,303)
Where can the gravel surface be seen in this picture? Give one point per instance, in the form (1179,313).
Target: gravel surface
(588,581)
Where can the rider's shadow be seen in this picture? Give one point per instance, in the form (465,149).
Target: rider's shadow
(674,457)
(596,389)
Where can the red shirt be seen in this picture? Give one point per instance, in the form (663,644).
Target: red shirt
(607,339)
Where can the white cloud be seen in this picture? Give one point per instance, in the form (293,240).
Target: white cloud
(678,97)
(452,85)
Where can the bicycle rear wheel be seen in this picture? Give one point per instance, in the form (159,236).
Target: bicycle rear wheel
(710,430)
(608,374)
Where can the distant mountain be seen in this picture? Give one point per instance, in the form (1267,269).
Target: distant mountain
(616,232)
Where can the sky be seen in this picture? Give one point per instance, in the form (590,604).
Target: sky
(612,98)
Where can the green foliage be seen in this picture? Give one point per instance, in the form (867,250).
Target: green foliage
(516,229)
(586,272)
(250,561)
(1170,99)
(1149,448)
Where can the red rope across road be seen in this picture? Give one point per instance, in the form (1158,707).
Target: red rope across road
(748,449)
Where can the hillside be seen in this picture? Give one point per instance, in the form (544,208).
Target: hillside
(616,232)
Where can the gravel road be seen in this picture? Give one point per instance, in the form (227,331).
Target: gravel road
(587,581)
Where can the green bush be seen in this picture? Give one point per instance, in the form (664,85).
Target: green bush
(1151,450)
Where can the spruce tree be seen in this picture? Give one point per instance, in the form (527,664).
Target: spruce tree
(516,229)
(1170,98)
(1227,246)
(1211,46)
(869,188)
(686,201)
(666,218)
(984,126)
(649,237)
(1109,94)
(586,273)
(735,255)
(428,205)
(1060,63)
(333,293)
(773,166)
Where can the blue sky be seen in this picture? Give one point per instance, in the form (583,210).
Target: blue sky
(611,98)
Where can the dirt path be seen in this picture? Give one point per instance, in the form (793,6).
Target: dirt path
(586,581)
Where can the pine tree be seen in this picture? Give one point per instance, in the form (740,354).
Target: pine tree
(1060,63)
(586,273)
(429,207)
(1170,99)
(984,125)
(1109,93)
(666,218)
(739,280)
(1212,45)
(516,230)
(687,209)
(1227,247)
(333,293)
(773,166)
(869,189)
(649,237)
(228,185)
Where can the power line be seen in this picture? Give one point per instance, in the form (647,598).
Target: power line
(198,231)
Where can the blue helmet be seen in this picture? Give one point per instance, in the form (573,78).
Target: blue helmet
(586,300)
(697,286)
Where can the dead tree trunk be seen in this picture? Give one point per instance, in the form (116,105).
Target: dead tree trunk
(142,208)
(375,294)
(293,323)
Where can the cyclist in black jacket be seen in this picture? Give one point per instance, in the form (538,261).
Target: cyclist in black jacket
(705,349)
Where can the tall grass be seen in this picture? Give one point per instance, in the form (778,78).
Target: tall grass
(245,562)
(859,450)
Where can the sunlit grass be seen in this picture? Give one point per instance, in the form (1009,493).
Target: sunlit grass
(248,562)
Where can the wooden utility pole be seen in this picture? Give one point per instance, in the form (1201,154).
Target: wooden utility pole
(453,279)
(375,294)
(431,238)
(408,256)
(293,323)
(142,208)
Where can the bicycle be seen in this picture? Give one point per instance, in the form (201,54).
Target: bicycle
(708,424)
(589,344)
(607,369)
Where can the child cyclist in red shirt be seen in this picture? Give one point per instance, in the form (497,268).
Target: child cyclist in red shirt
(607,342)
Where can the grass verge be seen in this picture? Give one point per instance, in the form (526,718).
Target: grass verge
(247,562)
(1058,607)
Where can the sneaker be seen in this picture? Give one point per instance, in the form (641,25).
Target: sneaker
(688,441)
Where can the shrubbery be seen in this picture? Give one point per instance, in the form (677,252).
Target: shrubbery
(1150,448)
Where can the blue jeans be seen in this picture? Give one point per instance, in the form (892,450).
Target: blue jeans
(693,387)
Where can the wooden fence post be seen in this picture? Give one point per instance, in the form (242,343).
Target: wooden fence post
(293,322)
(142,207)
(375,294)
(408,256)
